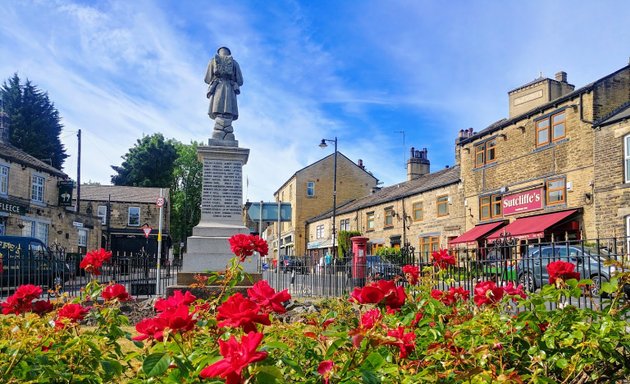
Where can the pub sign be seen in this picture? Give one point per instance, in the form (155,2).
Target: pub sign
(7,206)
(65,193)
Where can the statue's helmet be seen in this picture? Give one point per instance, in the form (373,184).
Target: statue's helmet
(226,48)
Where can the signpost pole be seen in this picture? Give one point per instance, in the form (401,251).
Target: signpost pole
(159,240)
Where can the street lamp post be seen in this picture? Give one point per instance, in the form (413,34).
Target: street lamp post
(334,211)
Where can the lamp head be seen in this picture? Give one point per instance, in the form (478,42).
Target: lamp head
(323,144)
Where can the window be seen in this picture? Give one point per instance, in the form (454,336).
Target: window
(37,189)
(627,157)
(550,129)
(134,217)
(101,212)
(418,212)
(83,236)
(319,231)
(3,226)
(556,192)
(428,244)
(389,217)
(490,207)
(35,229)
(4,180)
(370,221)
(310,189)
(485,153)
(344,225)
(442,205)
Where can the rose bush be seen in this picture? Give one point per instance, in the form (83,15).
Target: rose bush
(383,332)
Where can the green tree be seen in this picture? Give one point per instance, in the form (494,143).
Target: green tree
(185,192)
(344,244)
(150,163)
(34,122)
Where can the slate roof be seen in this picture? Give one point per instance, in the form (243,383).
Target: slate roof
(11,153)
(504,123)
(621,113)
(398,191)
(122,194)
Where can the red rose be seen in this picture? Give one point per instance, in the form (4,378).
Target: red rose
(236,357)
(267,297)
(487,292)
(324,368)
(70,313)
(412,272)
(442,259)
(239,311)
(404,341)
(21,300)
(381,292)
(116,291)
(179,319)
(93,261)
(243,245)
(42,307)
(511,290)
(561,270)
(370,318)
(175,300)
(150,329)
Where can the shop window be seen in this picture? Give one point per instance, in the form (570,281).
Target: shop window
(369,219)
(428,245)
(442,205)
(37,189)
(418,212)
(556,192)
(626,141)
(4,180)
(344,225)
(319,231)
(485,153)
(490,207)
(134,217)
(389,217)
(550,129)
(83,236)
(310,188)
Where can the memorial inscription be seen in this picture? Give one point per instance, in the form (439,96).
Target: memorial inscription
(222,189)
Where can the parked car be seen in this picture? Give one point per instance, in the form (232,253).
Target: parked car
(589,262)
(377,268)
(27,260)
(292,263)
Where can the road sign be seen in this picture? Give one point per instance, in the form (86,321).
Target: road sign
(147,230)
(160,202)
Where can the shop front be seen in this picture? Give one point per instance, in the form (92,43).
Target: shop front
(546,227)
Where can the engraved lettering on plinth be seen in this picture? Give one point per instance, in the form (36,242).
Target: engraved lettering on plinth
(222,189)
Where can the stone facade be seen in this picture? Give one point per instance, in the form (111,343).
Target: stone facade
(29,204)
(612,175)
(309,191)
(123,211)
(552,148)
(403,213)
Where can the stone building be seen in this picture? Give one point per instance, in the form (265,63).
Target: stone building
(310,192)
(426,211)
(533,175)
(33,203)
(612,175)
(124,213)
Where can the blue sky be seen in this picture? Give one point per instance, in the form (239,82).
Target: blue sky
(363,71)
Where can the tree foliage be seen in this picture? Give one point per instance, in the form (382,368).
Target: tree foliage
(149,163)
(185,192)
(34,122)
(344,245)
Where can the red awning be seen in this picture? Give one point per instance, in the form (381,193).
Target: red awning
(476,233)
(531,227)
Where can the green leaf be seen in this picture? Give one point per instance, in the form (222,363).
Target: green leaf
(562,363)
(269,375)
(291,363)
(610,286)
(373,361)
(277,345)
(369,377)
(334,347)
(156,364)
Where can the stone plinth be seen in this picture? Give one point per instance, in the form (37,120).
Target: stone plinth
(185,279)
(221,208)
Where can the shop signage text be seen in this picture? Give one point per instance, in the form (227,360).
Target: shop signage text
(523,202)
(5,206)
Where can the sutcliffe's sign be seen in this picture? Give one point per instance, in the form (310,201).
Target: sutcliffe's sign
(522,202)
(5,206)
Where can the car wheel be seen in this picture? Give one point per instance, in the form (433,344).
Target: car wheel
(527,280)
(597,286)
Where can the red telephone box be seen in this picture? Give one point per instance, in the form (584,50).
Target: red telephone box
(359,260)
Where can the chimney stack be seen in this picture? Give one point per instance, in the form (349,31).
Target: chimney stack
(418,164)
(561,77)
(360,164)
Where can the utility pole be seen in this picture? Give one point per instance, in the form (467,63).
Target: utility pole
(79,173)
